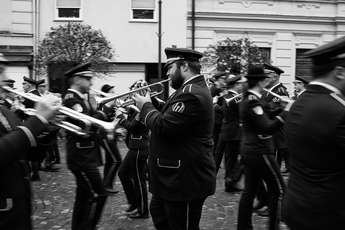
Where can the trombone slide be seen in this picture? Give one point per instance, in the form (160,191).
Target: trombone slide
(287,100)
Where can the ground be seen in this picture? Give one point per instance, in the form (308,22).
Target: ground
(54,196)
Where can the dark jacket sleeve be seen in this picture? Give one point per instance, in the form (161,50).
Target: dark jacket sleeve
(176,119)
(17,142)
(261,120)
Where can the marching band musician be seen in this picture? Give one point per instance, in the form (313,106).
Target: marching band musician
(30,86)
(229,140)
(181,163)
(257,150)
(112,154)
(83,154)
(16,139)
(133,168)
(218,90)
(315,130)
(273,107)
(300,84)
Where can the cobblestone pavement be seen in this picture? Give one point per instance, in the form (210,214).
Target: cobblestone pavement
(54,196)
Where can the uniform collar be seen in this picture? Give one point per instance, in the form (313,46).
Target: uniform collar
(233,91)
(272,88)
(255,93)
(192,78)
(78,93)
(327,86)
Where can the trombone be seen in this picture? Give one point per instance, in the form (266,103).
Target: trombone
(109,127)
(124,103)
(282,98)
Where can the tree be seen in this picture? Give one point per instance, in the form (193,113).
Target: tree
(227,53)
(72,43)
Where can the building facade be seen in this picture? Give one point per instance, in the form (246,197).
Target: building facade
(283,28)
(17,37)
(132,28)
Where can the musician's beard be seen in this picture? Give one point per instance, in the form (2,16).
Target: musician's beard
(177,79)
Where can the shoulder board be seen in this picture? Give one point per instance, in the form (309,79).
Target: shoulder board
(252,97)
(338,98)
(69,96)
(187,88)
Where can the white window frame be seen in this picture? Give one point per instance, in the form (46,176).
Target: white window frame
(57,18)
(155,14)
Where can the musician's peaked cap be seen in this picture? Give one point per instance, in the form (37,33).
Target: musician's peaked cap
(11,81)
(275,69)
(40,82)
(106,88)
(29,80)
(220,74)
(82,70)
(176,54)
(302,79)
(256,72)
(232,79)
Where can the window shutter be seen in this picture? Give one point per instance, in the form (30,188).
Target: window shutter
(68,3)
(143,4)
(303,65)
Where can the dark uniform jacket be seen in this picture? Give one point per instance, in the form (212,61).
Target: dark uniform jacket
(181,163)
(231,118)
(274,107)
(257,126)
(81,151)
(15,142)
(138,133)
(315,130)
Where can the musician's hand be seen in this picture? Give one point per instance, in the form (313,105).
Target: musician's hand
(122,132)
(141,100)
(288,105)
(121,113)
(48,106)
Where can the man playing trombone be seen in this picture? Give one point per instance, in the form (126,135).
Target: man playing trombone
(16,140)
(181,164)
(83,155)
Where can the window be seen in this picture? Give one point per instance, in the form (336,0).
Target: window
(143,10)
(68,9)
(266,54)
(303,65)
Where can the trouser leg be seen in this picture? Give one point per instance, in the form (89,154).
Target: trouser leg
(140,182)
(126,175)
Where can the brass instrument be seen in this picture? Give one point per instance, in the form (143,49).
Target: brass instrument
(227,100)
(125,99)
(282,98)
(109,127)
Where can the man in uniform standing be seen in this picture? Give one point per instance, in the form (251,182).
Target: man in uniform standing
(181,164)
(315,130)
(83,155)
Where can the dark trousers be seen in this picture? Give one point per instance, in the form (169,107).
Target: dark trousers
(258,168)
(176,215)
(230,150)
(282,154)
(112,162)
(132,175)
(90,198)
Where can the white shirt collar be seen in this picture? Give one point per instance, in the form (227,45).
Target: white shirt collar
(190,79)
(77,92)
(327,86)
(255,93)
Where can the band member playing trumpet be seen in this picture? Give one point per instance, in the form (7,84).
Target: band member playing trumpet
(229,139)
(16,140)
(83,155)
(181,164)
(133,168)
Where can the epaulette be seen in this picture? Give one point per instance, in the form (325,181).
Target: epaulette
(252,97)
(338,98)
(69,96)
(187,88)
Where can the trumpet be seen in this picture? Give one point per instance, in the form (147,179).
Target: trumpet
(125,102)
(228,100)
(282,98)
(109,127)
